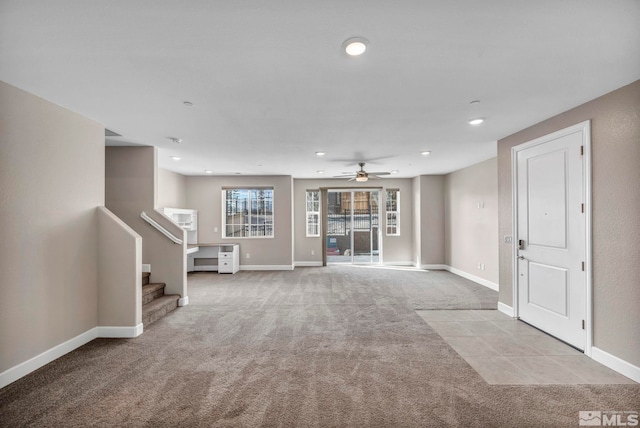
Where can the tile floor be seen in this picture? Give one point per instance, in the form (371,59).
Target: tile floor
(505,351)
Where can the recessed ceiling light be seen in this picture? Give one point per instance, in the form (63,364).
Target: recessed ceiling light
(208,171)
(425,153)
(476,121)
(187,103)
(475,102)
(355,46)
(320,153)
(394,171)
(320,171)
(175,140)
(176,158)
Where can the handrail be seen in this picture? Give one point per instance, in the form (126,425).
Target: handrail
(160,228)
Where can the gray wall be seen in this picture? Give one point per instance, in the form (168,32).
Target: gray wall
(119,272)
(51,181)
(471,233)
(431,218)
(205,195)
(131,185)
(172,190)
(396,249)
(615,137)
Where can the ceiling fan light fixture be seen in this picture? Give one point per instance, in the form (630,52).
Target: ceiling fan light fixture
(362,178)
(355,46)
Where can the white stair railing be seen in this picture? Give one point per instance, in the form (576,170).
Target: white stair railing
(160,228)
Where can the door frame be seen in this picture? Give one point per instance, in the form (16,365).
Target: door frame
(324,202)
(585,128)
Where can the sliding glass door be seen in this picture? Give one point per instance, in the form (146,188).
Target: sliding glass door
(353,226)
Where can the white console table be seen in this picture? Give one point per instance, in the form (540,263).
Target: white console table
(223,258)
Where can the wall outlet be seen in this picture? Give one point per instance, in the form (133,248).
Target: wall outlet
(215,229)
(481,266)
(478,266)
(480,204)
(313,253)
(248,255)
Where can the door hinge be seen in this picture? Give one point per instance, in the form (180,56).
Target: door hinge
(582,266)
(581,150)
(583,324)
(582,208)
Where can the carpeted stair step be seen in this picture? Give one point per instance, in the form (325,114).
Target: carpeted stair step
(145,278)
(150,292)
(158,308)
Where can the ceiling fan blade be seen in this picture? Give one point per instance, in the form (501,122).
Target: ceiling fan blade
(374,177)
(351,179)
(380,173)
(344,176)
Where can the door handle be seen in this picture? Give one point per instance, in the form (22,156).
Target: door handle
(521,257)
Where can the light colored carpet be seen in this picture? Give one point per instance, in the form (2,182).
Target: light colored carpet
(316,347)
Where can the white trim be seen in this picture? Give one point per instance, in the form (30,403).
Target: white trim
(16,372)
(476,279)
(434,267)
(506,309)
(146,268)
(398,264)
(614,363)
(585,127)
(266,267)
(119,332)
(205,268)
(307,264)
(183,301)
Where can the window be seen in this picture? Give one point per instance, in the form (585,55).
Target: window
(313,213)
(248,213)
(393,212)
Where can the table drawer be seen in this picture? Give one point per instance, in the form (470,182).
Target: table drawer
(225,266)
(225,255)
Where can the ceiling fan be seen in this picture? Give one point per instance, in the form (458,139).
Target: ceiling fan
(362,175)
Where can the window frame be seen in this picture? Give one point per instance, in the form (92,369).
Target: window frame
(248,222)
(315,213)
(395,213)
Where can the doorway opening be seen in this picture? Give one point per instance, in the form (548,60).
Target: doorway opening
(353,233)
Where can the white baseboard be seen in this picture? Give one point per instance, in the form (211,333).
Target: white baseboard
(146,268)
(477,279)
(307,264)
(614,363)
(266,267)
(398,264)
(205,268)
(434,267)
(183,301)
(505,309)
(119,332)
(14,373)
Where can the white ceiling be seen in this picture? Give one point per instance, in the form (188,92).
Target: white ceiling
(270,84)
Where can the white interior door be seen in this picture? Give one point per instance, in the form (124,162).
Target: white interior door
(551,234)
